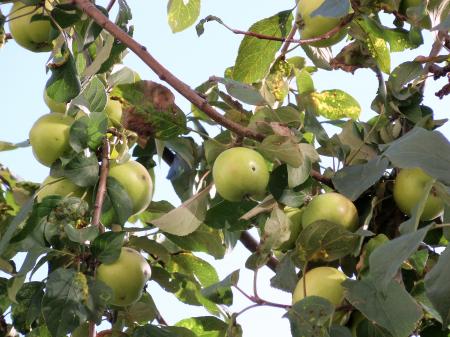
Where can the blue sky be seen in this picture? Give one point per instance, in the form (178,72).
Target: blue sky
(193,60)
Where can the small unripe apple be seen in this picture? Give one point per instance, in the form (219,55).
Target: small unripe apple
(33,35)
(58,186)
(113,110)
(49,137)
(240,172)
(333,207)
(409,187)
(53,105)
(314,26)
(321,281)
(136,181)
(126,276)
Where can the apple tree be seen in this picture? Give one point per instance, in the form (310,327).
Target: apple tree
(355,224)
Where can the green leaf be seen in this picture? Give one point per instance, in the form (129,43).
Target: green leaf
(203,239)
(204,326)
(28,307)
(63,303)
(334,104)
(354,180)
(81,235)
(305,83)
(242,91)
(285,275)
(143,311)
(156,249)
(437,286)
(63,84)
(88,131)
(321,57)
(7,146)
(395,310)
(326,241)
(376,44)
(227,214)
(311,317)
(332,9)
(256,55)
(283,148)
(386,260)
(162,331)
(117,207)
(92,98)
(401,76)
(220,292)
(191,265)
(107,246)
(429,150)
(181,14)
(186,218)
(81,170)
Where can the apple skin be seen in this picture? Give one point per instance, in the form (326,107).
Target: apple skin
(34,36)
(408,189)
(333,207)
(126,276)
(136,181)
(49,137)
(318,25)
(58,186)
(240,172)
(53,105)
(324,282)
(113,110)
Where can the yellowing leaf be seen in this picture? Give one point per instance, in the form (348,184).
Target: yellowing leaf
(334,104)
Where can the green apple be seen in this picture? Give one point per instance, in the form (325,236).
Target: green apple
(240,172)
(58,186)
(32,35)
(314,26)
(53,105)
(333,207)
(408,190)
(321,281)
(295,217)
(136,181)
(49,137)
(126,276)
(81,331)
(113,110)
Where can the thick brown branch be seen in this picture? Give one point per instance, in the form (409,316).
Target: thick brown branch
(163,73)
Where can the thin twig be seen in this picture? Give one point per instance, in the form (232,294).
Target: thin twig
(287,43)
(110,5)
(345,21)
(101,190)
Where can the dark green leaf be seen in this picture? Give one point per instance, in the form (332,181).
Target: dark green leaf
(28,307)
(162,331)
(63,84)
(107,246)
(437,286)
(221,292)
(354,180)
(226,214)
(117,207)
(395,310)
(283,148)
(81,170)
(286,277)
(152,247)
(81,235)
(310,317)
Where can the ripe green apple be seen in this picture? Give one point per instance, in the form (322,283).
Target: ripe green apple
(318,25)
(49,137)
(113,110)
(240,172)
(295,216)
(321,281)
(58,186)
(408,189)
(136,181)
(32,35)
(53,105)
(333,207)
(126,276)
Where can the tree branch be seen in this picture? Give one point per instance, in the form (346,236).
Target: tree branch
(289,39)
(163,73)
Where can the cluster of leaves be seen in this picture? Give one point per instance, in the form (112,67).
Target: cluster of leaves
(400,284)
